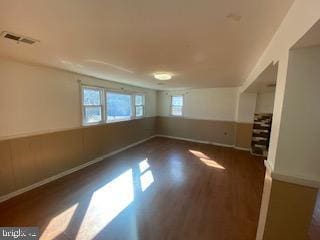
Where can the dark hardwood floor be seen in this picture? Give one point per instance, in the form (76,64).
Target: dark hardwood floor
(161,189)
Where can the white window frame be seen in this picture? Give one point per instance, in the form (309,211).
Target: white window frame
(140,105)
(103,105)
(83,106)
(182,107)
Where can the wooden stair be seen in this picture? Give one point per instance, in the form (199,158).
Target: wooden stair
(261,134)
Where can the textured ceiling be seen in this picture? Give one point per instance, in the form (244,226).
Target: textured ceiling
(207,43)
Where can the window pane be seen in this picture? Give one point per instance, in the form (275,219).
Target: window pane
(176,111)
(138,100)
(92,114)
(177,101)
(118,106)
(139,111)
(91,96)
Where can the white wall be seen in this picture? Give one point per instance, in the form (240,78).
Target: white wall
(246,107)
(300,18)
(35,99)
(210,103)
(265,102)
(297,151)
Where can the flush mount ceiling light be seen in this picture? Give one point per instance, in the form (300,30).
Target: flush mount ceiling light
(162,76)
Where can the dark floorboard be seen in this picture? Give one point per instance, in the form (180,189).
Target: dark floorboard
(161,189)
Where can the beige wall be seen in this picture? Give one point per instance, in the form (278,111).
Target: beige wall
(286,210)
(243,135)
(265,102)
(220,132)
(27,160)
(35,99)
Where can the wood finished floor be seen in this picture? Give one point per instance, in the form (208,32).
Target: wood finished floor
(161,189)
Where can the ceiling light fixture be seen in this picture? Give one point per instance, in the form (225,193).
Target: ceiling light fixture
(162,76)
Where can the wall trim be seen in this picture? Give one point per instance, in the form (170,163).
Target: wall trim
(195,118)
(57,130)
(239,122)
(201,141)
(67,172)
(242,148)
(285,177)
(194,140)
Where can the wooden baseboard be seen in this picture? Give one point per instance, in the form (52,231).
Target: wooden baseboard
(205,142)
(290,178)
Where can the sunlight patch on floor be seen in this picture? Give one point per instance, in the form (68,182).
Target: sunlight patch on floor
(206,160)
(106,204)
(59,224)
(146,180)
(144,165)
(211,163)
(198,154)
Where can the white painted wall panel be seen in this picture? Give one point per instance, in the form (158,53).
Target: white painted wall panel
(210,103)
(265,102)
(35,99)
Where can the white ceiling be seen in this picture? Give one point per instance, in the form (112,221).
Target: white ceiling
(207,43)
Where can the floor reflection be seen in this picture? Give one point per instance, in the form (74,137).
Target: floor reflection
(206,159)
(146,180)
(107,203)
(59,223)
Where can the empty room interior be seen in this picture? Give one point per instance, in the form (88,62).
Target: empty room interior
(160,120)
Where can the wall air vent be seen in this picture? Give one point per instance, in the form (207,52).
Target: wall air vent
(12,37)
(27,40)
(18,38)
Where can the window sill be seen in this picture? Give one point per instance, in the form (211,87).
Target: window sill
(120,120)
(175,116)
(111,122)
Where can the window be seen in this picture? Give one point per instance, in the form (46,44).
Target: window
(177,105)
(115,106)
(139,105)
(118,106)
(92,105)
